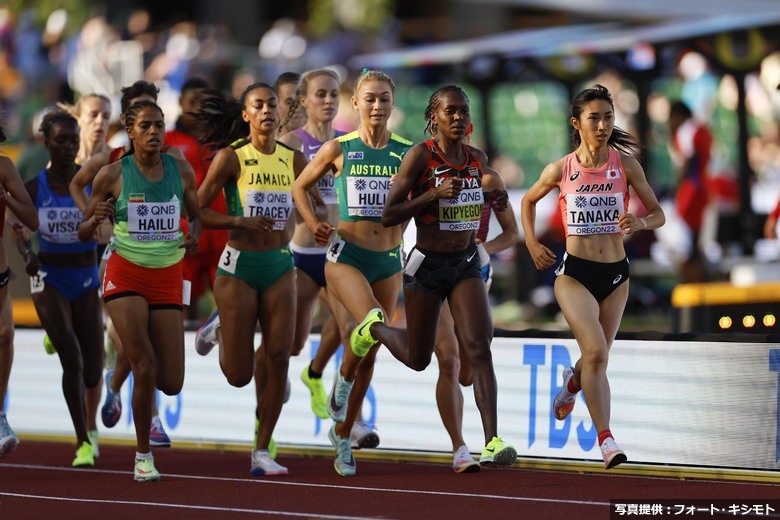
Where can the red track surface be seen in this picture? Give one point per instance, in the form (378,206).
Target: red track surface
(37,481)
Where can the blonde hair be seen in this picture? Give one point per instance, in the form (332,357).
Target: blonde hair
(302,89)
(374,75)
(75,109)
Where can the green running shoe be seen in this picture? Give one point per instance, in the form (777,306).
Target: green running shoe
(84,456)
(497,453)
(48,346)
(319,399)
(361,339)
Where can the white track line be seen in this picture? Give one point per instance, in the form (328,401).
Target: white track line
(184,506)
(327,486)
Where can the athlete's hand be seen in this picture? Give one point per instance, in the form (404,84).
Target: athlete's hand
(322,232)
(542,256)
(450,188)
(497,199)
(258,224)
(22,231)
(31,263)
(628,223)
(190,244)
(104,210)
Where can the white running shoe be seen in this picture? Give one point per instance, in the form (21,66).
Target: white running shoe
(611,453)
(263,464)
(8,439)
(339,395)
(362,436)
(463,462)
(563,403)
(206,337)
(145,471)
(344,463)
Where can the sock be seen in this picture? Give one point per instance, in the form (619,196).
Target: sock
(570,387)
(604,435)
(143,456)
(263,451)
(313,374)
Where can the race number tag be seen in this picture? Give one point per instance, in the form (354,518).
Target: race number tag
(335,249)
(229,259)
(36,282)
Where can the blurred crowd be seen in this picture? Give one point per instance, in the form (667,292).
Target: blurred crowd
(45,63)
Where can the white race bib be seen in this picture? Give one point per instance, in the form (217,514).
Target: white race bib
(59,225)
(366,195)
(154,221)
(276,205)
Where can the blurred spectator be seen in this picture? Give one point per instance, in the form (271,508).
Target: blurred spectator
(690,151)
(198,269)
(34,156)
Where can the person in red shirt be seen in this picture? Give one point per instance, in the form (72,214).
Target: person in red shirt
(199,269)
(690,150)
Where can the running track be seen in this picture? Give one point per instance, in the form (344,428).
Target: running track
(36,481)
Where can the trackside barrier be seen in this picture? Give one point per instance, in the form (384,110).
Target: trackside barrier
(680,399)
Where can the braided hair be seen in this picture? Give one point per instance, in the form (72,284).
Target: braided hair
(433,104)
(303,89)
(132,111)
(286,78)
(620,140)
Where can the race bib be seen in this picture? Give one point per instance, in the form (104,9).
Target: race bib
(276,205)
(463,213)
(593,214)
(153,221)
(366,195)
(59,225)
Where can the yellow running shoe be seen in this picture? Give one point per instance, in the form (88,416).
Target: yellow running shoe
(498,453)
(319,399)
(361,339)
(48,346)
(84,456)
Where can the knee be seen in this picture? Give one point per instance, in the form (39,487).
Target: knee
(238,378)
(449,362)
(466,375)
(71,361)
(278,360)
(420,362)
(92,378)
(171,387)
(596,359)
(6,337)
(479,351)
(297,347)
(238,374)
(145,369)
